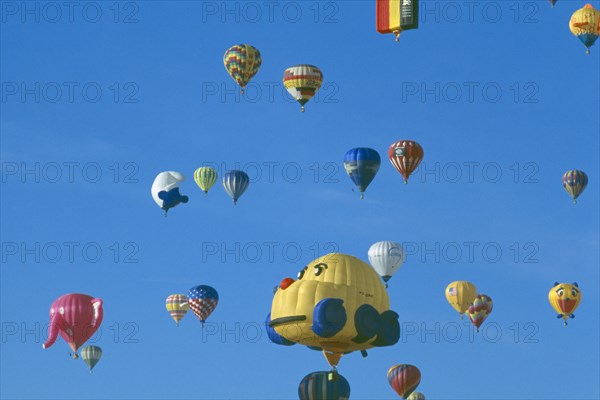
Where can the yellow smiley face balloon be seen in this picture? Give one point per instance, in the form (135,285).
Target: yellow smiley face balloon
(565,298)
(338,305)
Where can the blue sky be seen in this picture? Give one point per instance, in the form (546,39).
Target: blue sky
(150,93)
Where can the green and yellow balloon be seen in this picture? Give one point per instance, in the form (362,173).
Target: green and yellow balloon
(91,355)
(205,178)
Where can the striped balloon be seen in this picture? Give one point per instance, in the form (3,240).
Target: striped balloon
(202,300)
(302,82)
(205,178)
(91,355)
(324,385)
(405,155)
(177,305)
(235,184)
(574,182)
(416,396)
(404,379)
(242,62)
(585,24)
(480,309)
(362,164)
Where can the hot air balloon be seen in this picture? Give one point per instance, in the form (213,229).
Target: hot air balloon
(552,2)
(405,155)
(395,16)
(91,355)
(386,258)
(324,385)
(203,300)
(565,299)
(574,182)
(242,62)
(416,396)
(480,309)
(165,190)
(404,379)
(302,82)
(337,305)
(235,184)
(362,164)
(205,178)
(77,317)
(460,295)
(585,24)
(177,305)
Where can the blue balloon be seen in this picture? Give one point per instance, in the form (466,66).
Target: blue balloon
(362,164)
(324,385)
(235,184)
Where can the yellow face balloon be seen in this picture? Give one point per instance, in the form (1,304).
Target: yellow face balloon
(565,299)
(338,304)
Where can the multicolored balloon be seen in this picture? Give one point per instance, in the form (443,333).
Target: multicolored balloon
(91,355)
(565,299)
(205,178)
(460,295)
(416,396)
(585,24)
(405,156)
(165,190)
(574,182)
(77,317)
(203,300)
(404,379)
(323,385)
(302,82)
(177,306)
(242,62)
(235,184)
(362,164)
(395,16)
(386,258)
(480,309)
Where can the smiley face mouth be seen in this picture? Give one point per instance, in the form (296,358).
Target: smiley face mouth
(285,320)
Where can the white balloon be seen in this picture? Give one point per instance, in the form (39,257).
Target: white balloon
(386,258)
(165,181)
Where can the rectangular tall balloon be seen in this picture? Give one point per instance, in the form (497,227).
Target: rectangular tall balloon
(397,15)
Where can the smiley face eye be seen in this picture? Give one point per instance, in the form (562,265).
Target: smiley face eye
(560,292)
(301,273)
(574,292)
(319,268)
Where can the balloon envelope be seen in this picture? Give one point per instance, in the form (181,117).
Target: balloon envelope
(460,295)
(324,385)
(585,25)
(242,62)
(235,184)
(302,82)
(91,355)
(405,156)
(479,310)
(165,190)
(362,164)
(416,396)
(386,258)
(177,306)
(574,182)
(404,379)
(565,299)
(205,178)
(203,300)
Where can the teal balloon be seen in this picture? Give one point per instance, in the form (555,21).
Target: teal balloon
(324,385)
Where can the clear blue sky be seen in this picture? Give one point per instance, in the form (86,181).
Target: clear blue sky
(167,103)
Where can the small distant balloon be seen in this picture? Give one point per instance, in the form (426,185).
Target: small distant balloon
(416,396)
(242,62)
(177,306)
(585,25)
(91,355)
(404,379)
(165,190)
(460,295)
(324,385)
(574,182)
(480,309)
(565,299)
(235,184)
(302,82)
(386,258)
(405,156)
(202,300)
(205,178)
(362,164)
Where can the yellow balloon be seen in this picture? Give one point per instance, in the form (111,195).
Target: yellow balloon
(177,306)
(585,24)
(338,304)
(565,299)
(416,396)
(460,295)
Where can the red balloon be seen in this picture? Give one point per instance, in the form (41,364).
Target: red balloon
(405,155)
(77,317)
(404,379)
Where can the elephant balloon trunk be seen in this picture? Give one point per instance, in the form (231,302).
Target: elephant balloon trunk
(55,323)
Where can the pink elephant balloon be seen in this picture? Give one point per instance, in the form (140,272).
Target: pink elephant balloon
(77,317)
